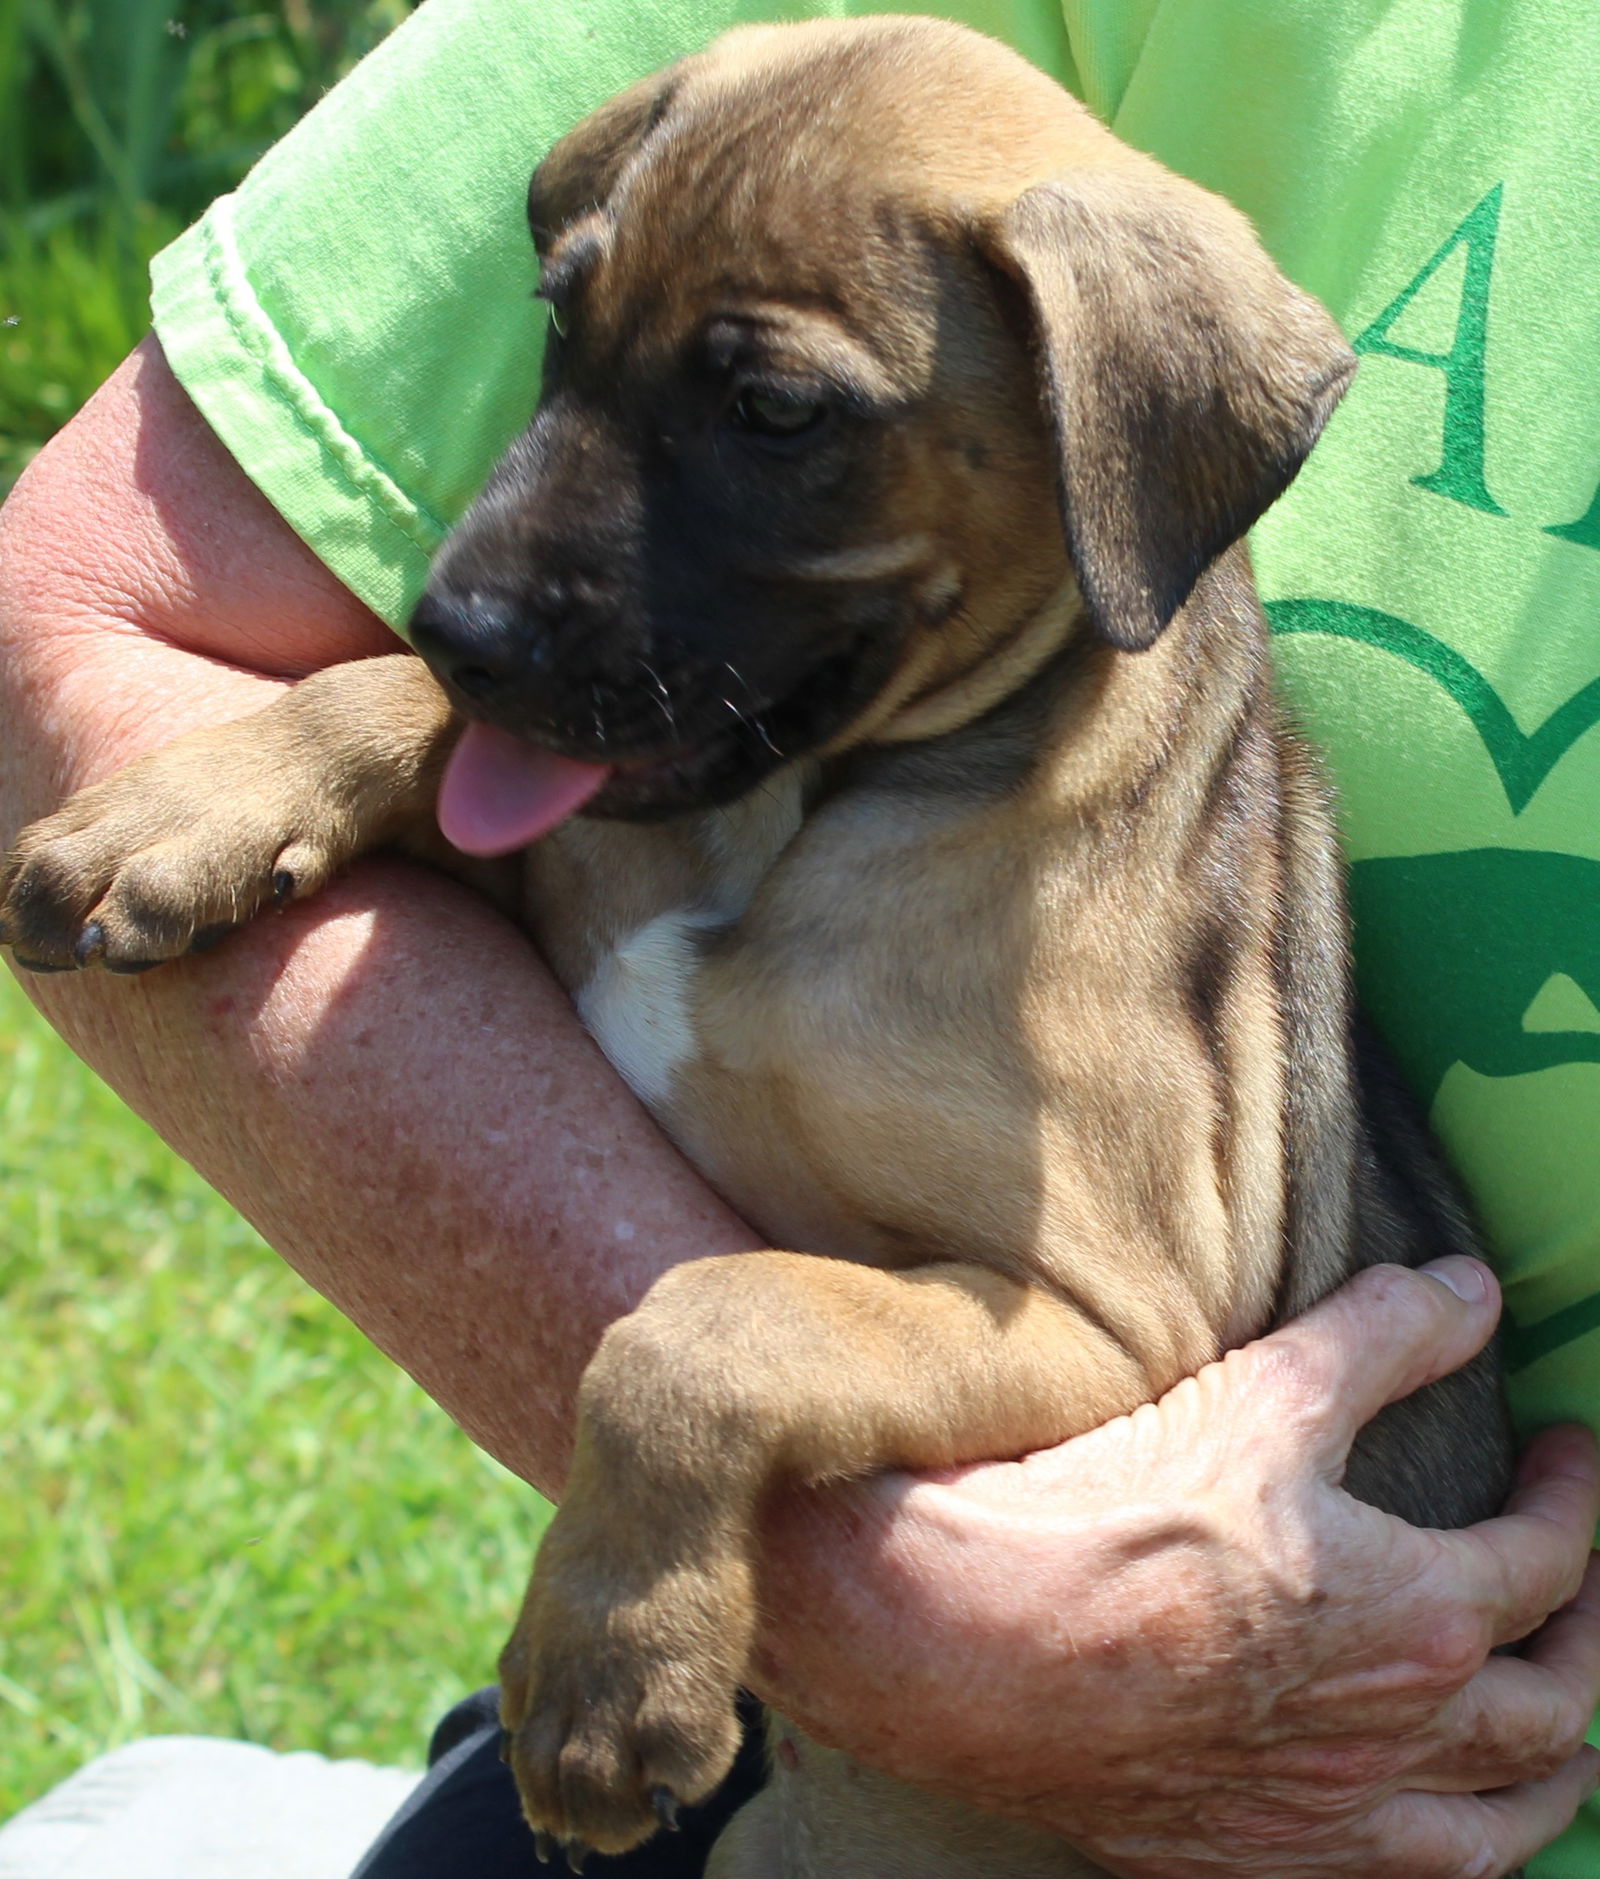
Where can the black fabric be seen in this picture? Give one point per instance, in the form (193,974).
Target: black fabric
(464,1822)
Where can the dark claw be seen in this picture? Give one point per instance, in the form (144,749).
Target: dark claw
(210,936)
(543,1846)
(665,1802)
(91,943)
(282,886)
(577,1853)
(131,968)
(37,965)
(505,1745)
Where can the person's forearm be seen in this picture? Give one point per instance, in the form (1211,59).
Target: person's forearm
(390,1088)
(386,1081)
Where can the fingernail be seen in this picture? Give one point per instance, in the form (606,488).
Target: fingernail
(1465,1277)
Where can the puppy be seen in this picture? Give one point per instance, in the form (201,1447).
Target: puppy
(946,883)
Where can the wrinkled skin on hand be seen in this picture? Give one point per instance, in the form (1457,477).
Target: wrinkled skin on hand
(1180,1643)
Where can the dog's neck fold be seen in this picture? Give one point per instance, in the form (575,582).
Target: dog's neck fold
(1131,710)
(906,713)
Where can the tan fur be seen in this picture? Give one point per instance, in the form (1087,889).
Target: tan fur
(1019,1006)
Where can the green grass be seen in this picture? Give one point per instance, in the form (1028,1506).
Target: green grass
(119,121)
(223,1511)
(73,302)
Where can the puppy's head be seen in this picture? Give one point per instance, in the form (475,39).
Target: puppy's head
(866,344)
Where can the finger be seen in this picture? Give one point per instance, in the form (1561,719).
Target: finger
(1478,1836)
(1519,1567)
(1569,1644)
(1378,1338)
(1522,1718)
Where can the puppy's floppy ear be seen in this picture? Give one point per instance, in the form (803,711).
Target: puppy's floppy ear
(582,170)
(1186,379)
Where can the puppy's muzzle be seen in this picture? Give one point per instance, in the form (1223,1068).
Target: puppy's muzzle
(541,664)
(476,644)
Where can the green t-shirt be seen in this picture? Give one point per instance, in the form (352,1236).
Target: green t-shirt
(355,323)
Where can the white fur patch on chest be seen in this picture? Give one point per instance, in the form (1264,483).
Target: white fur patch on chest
(638,1003)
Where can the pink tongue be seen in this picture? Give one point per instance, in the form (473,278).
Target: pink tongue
(499,794)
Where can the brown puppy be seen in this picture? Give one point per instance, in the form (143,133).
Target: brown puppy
(954,894)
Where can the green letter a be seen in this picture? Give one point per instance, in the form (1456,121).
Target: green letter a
(1460,475)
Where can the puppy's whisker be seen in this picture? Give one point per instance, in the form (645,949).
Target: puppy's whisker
(754,722)
(661,698)
(733,672)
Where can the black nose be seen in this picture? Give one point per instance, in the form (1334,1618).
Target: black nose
(475,641)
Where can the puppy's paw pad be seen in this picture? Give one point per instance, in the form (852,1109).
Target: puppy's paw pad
(606,1743)
(48,887)
(131,883)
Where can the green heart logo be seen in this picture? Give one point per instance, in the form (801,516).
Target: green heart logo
(1522,760)
(1493,924)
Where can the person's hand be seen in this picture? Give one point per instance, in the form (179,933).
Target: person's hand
(1179,1643)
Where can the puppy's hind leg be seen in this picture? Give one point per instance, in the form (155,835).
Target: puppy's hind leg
(832,1818)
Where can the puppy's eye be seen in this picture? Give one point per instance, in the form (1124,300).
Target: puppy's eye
(777,414)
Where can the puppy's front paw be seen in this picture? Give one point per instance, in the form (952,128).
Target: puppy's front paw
(618,1697)
(162,859)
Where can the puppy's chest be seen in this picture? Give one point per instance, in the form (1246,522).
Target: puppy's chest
(727,1026)
(628,917)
